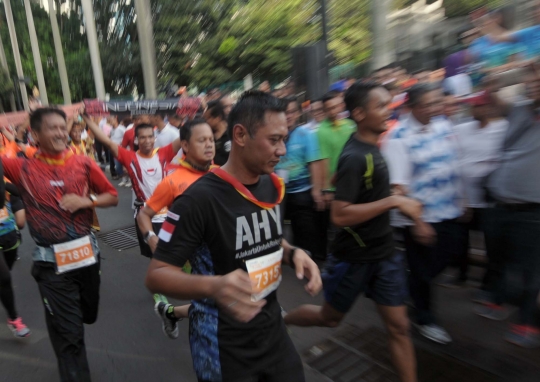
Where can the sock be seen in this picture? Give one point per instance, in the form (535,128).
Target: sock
(170,313)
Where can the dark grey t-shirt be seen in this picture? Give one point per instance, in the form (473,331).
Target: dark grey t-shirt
(517,179)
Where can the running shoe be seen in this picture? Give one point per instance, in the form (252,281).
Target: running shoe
(492,312)
(128,184)
(18,328)
(524,336)
(169,326)
(122,182)
(434,333)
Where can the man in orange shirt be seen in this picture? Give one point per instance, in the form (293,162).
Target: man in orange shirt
(198,146)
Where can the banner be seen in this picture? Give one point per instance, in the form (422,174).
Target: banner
(21,117)
(180,106)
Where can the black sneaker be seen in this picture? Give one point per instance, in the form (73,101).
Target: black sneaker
(169,326)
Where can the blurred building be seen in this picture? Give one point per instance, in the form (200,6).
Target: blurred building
(420,36)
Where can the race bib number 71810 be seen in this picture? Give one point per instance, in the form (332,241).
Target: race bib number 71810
(265,274)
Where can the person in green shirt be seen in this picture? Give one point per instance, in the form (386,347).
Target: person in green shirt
(333,133)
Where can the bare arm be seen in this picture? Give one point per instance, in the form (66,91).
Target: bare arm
(144,220)
(20,218)
(316,170)
(232,292)
(345,214)
(10,137)
(100,135)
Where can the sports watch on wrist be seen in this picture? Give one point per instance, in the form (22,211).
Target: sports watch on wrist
(148,236)
(93,198)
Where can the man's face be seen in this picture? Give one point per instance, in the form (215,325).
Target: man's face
(317,111)
(228,104)
(263,151)
(481,112)
(265,87)
(146,140)
(53,135)
(292,114)
(333,107)
(76,134)
(175,121)
(212,121)
(142,119)
(377,111)
(200,149)
(427,107)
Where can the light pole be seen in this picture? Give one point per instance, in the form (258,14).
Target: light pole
(59,55)
(35,52)
(16,54)
(146,45)
(3,62)
(93,47)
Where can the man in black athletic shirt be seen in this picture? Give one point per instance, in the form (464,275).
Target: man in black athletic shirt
(364,259)
(228,225)
(215,117)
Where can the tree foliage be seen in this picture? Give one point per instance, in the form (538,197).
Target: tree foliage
(198,42)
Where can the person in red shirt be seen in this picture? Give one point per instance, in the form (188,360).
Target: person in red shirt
(199,149)
(145,167)
(55,188)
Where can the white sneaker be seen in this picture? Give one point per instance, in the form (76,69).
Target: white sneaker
(434,333)
(122,182)
(128,184)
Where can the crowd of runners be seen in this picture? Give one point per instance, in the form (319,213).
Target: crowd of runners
(421,158)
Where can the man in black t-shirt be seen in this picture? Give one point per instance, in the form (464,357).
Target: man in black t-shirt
(363,257)
(228,225)
(215,117)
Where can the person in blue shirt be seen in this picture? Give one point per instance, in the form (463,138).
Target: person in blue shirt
(302,171)
(528,38)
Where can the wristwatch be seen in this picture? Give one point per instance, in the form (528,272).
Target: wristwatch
(93,198)
(148,236)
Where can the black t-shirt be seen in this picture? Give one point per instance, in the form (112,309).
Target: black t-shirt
(218,231)
(223,148)
(362,177)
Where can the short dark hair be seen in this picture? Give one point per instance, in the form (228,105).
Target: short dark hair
(142,126)
(187,129)
(418,91)
(330,96)
(126,122)
(251,108)
(215,108)
(358,94)
(37,116)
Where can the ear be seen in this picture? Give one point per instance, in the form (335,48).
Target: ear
(185,146)
(239,135)
(358,114)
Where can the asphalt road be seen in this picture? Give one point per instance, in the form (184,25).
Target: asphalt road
(127,344)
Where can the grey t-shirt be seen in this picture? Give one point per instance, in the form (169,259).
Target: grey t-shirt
(517,179)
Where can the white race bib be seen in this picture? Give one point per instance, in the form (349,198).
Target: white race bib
(74,254)
(265,274)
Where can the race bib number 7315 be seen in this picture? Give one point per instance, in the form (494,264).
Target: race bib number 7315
(265,274)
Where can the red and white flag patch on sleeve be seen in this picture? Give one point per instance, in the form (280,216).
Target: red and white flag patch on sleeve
(166,231)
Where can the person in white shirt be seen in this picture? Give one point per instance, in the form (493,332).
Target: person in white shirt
(423,164)
(480,143)
(116,135)
(165,132)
